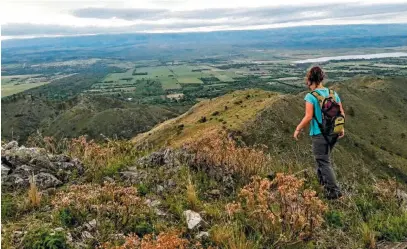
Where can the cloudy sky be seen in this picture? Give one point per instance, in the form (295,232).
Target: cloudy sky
(26,18)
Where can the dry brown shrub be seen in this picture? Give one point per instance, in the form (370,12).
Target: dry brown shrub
(386,190)
(218,150)
(108,201)
(168,240)
(287,211)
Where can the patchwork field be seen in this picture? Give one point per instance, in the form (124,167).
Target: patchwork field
(171,78)
(17,83)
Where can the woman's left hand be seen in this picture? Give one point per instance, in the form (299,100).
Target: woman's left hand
(296,134)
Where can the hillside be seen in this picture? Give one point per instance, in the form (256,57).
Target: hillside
(267,118)
(84,115)
(375,128)
(229,112)
(226,174)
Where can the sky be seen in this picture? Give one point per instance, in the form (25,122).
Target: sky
(26,18)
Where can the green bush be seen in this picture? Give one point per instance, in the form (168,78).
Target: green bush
(143,228)
(43,239)
(334,218)
(142,189)
(67,217)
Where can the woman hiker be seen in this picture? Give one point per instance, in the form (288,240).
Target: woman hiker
(324,111)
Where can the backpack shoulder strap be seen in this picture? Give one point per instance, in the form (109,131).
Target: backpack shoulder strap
(332,94)
(319,97)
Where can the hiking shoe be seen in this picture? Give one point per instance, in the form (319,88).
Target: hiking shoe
(334,196)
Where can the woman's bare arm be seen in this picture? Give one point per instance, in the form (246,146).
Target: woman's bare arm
(309,114)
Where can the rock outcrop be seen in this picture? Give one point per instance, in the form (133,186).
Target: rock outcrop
(19,163)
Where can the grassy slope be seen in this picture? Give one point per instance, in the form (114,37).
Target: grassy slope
(84,115)
(100,115)
(233,109)
(374,144)
(21,118)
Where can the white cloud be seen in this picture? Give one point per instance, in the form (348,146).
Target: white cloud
(63,17)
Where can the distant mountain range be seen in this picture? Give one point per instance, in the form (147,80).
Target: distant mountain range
(155,46)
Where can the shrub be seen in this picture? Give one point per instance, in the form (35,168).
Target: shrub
(287,212)
(216,150)
(44,239)
(67,217)
(102,159)
(334,218)
(215,113)
(110,202)
(143,228)
(142,189)
(169,240)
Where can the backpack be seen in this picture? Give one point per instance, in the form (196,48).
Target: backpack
(333,122)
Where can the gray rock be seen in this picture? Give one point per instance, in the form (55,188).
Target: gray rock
(193,219)
(202,235)
(159,212)
(11,145)
(46,180)
(24,170)
(215,193)
(151,203)
(166,157)
(108,179)
(160,189)
(4,170)
(133,176)
(402,196)
(171,183)
(20,163)
(130,177)
(91,225)
(87,235)
(69,237)
(14,181)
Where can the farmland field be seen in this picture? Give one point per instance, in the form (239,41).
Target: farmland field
(18,83)
(10,89)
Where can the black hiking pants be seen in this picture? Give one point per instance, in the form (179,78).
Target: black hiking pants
(322,153)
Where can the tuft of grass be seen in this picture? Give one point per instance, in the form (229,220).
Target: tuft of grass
(34,196)
(192,196)
(221,234)
(368,236)
(8,207)
(391,227)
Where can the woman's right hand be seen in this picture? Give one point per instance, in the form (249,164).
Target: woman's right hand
(342,134)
